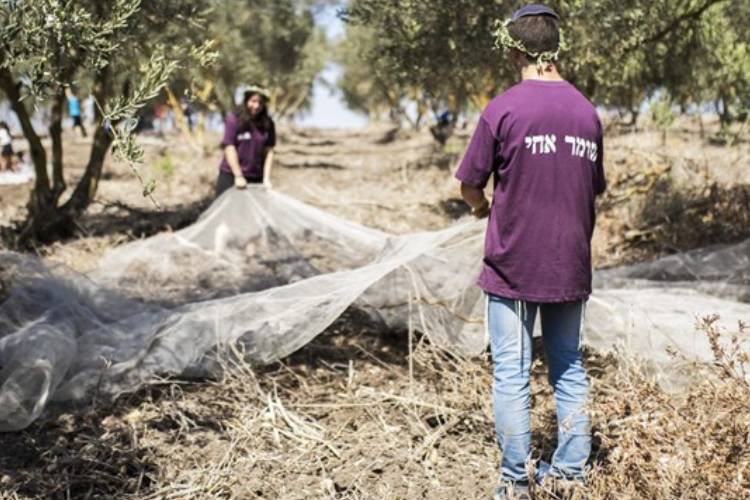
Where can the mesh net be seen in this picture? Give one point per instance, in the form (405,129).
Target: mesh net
(260,274)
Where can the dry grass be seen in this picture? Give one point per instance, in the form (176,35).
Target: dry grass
(343,418)
(353,415)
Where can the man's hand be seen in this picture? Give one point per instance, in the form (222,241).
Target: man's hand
(240,182)
(481,211)
(480,207)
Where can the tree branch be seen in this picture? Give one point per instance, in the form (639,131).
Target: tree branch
(676,23)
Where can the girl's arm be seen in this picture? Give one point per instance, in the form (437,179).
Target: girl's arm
(233,158)
(267,167)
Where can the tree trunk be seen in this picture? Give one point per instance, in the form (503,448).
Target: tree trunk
(55,133)
(85,191)
(296,103)
(36,149)
(634,115)
(44,222)
(725,115)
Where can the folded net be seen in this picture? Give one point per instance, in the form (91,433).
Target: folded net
(260,274)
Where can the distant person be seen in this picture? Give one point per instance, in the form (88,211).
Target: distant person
(249,139)
(443,127)
(187,112)
(161,112)
(541,142)
(6,148)
(23,160)
(74,110)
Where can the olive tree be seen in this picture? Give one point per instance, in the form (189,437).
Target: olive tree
(274,43)
(127,49)
(619,52)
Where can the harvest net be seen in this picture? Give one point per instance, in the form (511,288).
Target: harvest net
(260,274)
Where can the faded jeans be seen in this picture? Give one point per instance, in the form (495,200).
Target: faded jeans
(511,325)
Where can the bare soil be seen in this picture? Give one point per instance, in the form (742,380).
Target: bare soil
(353,415)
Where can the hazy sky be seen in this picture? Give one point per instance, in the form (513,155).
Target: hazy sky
(328,109)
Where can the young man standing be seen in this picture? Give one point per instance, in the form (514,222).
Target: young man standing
(541,141)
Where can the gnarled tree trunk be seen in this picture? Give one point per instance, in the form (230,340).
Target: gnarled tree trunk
(47,220)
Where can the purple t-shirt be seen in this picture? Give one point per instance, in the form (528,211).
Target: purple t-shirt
(542,142)
(251,143)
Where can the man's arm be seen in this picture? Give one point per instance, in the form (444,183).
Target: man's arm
(477,167)
(475,198)
(601,178)
(233,158)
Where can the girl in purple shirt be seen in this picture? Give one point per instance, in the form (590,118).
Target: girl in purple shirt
(249,139)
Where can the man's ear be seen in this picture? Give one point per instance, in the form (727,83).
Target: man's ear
(518,59)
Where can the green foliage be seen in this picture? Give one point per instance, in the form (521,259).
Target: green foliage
(166,166)
(504,41)
(444,48)
(46,41)
(663,115)
(662,112)
(363,89)
(271,42)
(620,52)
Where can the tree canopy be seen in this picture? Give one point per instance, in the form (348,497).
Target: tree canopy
(620,52)
(275,43)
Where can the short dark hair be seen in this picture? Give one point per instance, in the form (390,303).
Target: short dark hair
(537,33)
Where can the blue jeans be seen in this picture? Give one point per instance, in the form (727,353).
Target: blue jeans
(511,325)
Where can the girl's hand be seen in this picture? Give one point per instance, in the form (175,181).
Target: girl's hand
(240,182)
(267,183)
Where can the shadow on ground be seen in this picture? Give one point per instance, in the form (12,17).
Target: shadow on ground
(115,218)
(673,220)
(97,451)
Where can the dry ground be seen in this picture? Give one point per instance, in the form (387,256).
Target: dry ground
(353,415)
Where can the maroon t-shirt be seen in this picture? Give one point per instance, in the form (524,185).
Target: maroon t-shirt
(251,143)
(542,143)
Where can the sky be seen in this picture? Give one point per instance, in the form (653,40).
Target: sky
(328,107)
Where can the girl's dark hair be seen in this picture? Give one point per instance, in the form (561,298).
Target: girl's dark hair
(537,33)
(261,121)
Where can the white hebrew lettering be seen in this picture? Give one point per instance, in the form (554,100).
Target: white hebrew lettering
(578,147)
(550,144)
(572,141)
(581,149)
(538,139)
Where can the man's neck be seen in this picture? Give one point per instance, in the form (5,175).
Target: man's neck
(549,73)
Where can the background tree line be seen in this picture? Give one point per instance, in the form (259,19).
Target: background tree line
(688,52)
(427,55)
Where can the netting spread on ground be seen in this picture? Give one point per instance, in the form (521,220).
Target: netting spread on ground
(261,274)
